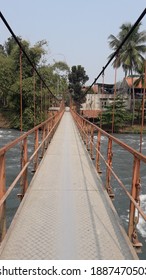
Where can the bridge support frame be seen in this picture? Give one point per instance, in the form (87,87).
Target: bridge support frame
(2,192)
(43,135)
(36,144)
(91,142)
(97,152)
(108,171)
(24,160)
(135,192)
(138,157)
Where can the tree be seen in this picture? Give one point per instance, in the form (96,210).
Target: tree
(131,54)
(61,71)
(10,81)
(55,77)
(35,54)
(6,78)
(2,50)
(141,72)
(77,79)
(121,115)
(10,44)
(27,103)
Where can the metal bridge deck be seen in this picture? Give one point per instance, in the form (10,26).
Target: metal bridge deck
(66,213)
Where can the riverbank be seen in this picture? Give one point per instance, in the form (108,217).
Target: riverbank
(4,121)
(134,129)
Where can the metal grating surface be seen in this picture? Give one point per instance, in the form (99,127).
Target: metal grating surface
(66,213)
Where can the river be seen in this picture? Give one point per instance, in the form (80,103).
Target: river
(123,169)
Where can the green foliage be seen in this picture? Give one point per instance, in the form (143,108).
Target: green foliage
(61,67)
(77,79)
(6,78)
(61,71)
(2,50)
(27,104)
(10,44)
(141,76)
(55,76)
(121,116)
(131,55)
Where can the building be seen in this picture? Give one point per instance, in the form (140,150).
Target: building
(127,86)
(126,89)
(97,99)
(102,95)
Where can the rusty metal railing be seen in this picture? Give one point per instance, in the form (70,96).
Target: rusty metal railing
(42,135)
(88,130)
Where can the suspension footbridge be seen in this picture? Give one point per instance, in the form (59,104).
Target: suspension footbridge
(66,211)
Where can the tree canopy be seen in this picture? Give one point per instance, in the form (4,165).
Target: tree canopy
(55,77)
(77,79)
(131,55)
(121,115)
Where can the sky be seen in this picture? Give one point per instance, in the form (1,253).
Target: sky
(76,30)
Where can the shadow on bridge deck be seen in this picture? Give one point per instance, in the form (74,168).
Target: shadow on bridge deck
(66,213)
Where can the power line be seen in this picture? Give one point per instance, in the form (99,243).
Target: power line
(23,50)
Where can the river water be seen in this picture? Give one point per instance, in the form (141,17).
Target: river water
(122,165)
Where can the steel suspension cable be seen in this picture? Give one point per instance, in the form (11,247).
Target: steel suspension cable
(24,52)
(118,49)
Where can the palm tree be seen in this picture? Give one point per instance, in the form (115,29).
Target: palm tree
(141,74)
(130,56)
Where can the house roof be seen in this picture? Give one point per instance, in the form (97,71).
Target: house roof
(129,82)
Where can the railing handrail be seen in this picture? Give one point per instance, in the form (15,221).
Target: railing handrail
(23,136)
(87,130)
(47,128)
(116,140)
(28,162)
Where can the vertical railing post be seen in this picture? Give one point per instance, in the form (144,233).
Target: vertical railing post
(47,130)
(79,123)
(108,171)
(97,152)
(24,161)
(2,192)
(36,144)
(43,137)
(81,129)
(135,191)
(84,131)
(87,136)
(52,124)
(91,142)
